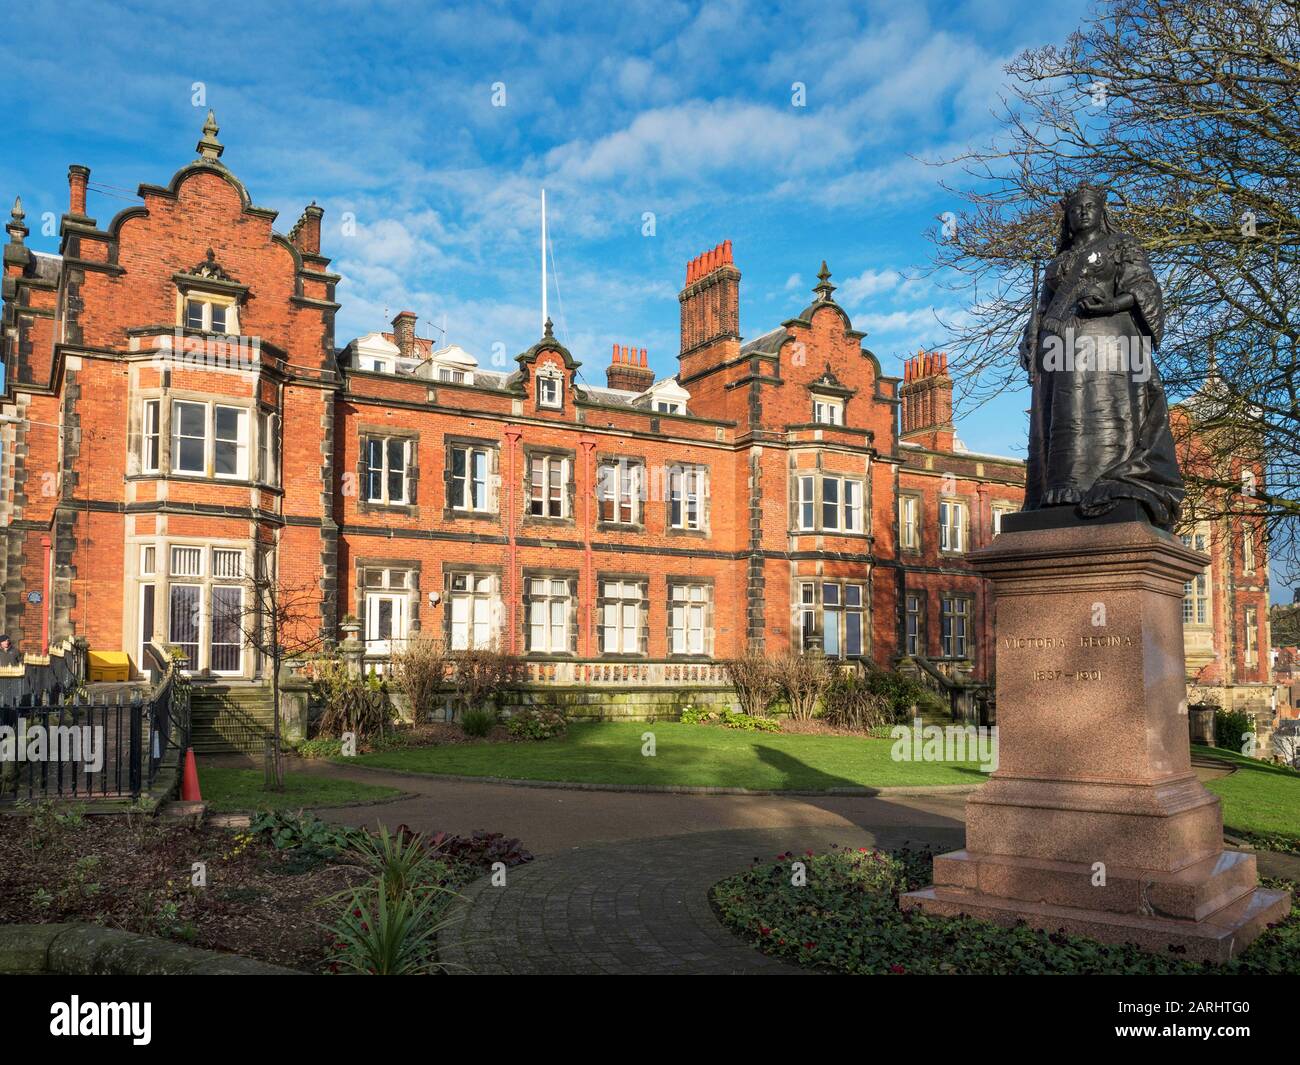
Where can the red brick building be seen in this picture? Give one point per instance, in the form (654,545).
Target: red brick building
(176,409)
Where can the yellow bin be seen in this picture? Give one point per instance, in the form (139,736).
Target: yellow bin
(109,666)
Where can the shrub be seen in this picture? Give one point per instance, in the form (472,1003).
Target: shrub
(379,935)
(298,831)
(535,723)
(1230,728)
(728,718)
(851,703)
(401,861)
(753,678)
(480,673)
(478,722)
(420,669)
(801,678)
(351,704)
(320,747)
(902,693)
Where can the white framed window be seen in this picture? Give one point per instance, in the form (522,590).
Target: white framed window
(618,491)
(148,560)
(1000,512)
(955,630)
(622,626)
(689,630)
(227,563)
(829,504)
(549,390)
(186,561)
(209,439)
(838,617)
(687,489)
(549,605)
(471,469)
(666,406)
(828,411)
(952,525)
(387,469)
(268,448)
(909,523)
(151,436)
(455,377)
(1248,534)
(185,621)
(1196,592)
(475,609)
(226,633)
(1251,644)
(548,486)
(210,315)
(386,620)
(915,624)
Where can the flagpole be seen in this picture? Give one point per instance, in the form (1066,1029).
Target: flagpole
(544,314)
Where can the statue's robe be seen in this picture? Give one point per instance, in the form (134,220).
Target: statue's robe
(1099,422)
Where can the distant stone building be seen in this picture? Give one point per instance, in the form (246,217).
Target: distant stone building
(177,412)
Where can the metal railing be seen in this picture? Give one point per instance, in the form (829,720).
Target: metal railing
(72,745)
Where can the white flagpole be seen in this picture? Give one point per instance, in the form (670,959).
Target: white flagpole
(544,314)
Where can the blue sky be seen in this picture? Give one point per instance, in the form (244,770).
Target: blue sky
(386,110)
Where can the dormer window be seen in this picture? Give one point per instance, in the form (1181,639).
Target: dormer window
(664,406)
(210,314)
(455,377)
(828,411)
(548,391)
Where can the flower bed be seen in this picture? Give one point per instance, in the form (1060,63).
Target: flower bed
(846,919)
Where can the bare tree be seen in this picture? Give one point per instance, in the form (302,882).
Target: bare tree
(1190,111)
(282,621)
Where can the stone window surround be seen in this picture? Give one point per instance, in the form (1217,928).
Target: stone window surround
(818,605)
(964,504)
(530,574)
(643,615)
(412,568)
(703,531)
(969,599)
(923,602)
(450,513)
(162,579)
(478,569)
(253,409)
(569,490)
(919,546)
(368,430)
(637,525)
(674,580)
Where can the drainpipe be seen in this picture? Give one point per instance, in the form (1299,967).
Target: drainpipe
(513,433)
(45,596)
(588,563)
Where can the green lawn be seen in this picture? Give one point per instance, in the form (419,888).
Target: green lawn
(686,755)
(1259,797)
(227,790)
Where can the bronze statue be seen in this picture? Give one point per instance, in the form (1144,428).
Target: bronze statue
(1099,423)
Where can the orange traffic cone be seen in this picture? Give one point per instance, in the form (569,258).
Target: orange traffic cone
(190,779)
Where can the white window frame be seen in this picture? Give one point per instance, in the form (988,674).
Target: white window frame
(385,497)
(619,482)
(914,635)
(909,522)
(471,499)
(545,497)
(400,602)
(952,534)
(622,618)
(845,509)
(211,631)
(151,436)
(550,390)
(474,611)
(828,411)
(210,441)
(689,618)
(550,604)
(1197,592)
(206,303)
(952,643)
(688,488)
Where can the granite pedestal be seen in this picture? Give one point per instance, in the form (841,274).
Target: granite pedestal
(1094,821)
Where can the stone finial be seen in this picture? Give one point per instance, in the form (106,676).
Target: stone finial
(824,288)
(209,147)
(15,228)
(548,331)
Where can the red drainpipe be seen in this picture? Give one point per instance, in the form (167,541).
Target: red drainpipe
(588,564)
(45,597)
(513,433)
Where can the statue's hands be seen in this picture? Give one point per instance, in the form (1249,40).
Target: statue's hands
(1096,306)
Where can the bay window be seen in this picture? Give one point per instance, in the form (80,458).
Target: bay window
(209,439)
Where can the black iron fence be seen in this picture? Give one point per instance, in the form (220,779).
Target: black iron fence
(57,674)
(71,745)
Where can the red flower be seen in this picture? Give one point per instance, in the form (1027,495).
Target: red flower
(897,970)
(809,945)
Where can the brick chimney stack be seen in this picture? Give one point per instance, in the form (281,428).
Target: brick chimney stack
(305,234)
(629,370)
(926,395)
(78,178)
(710,303)
(404,333)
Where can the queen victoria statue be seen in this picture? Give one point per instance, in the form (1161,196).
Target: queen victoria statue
(1099,423)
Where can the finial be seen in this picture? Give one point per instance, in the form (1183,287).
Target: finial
(547,331)
(824,288)
(17,214)
(209,147)
(14,227)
